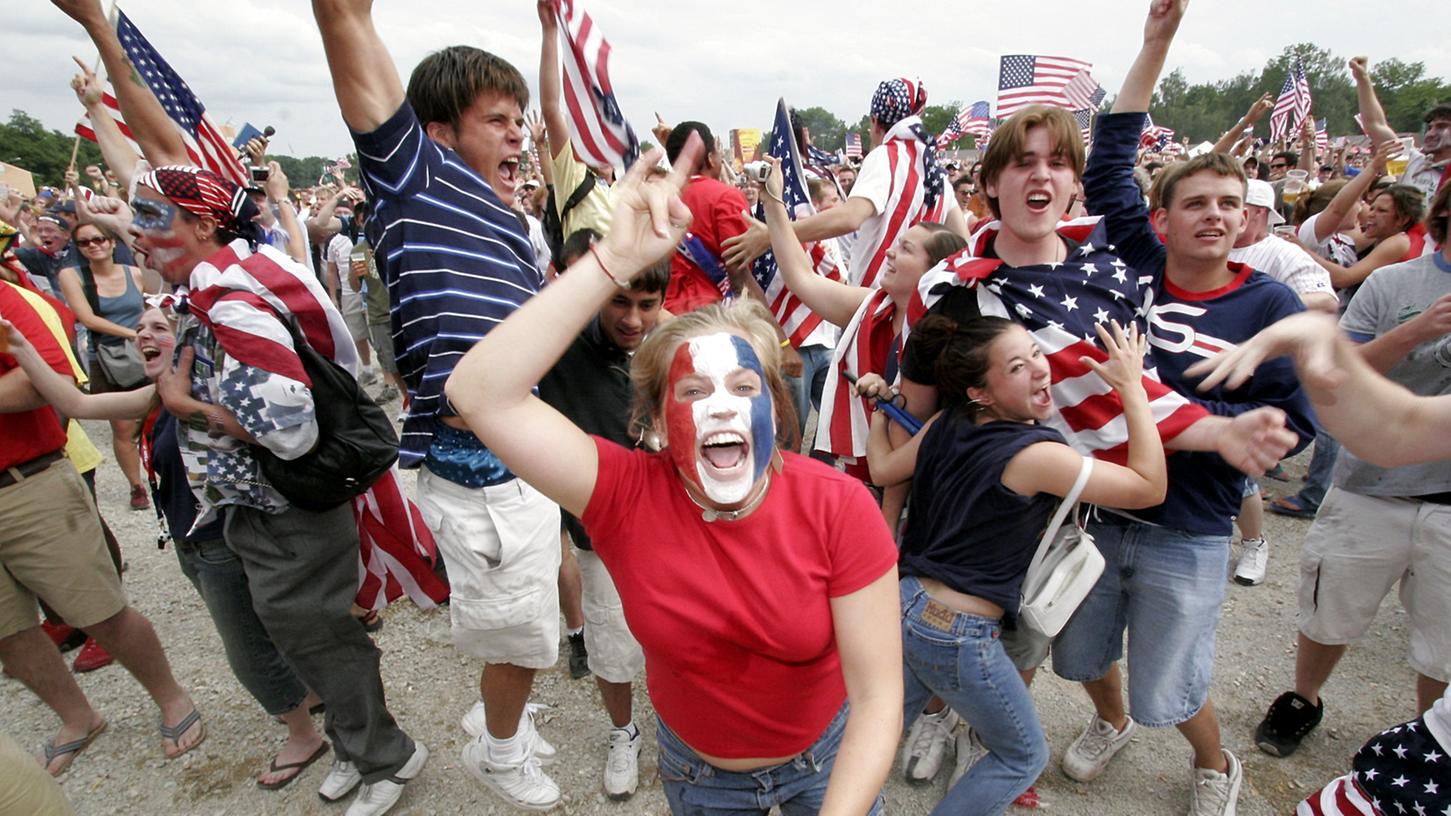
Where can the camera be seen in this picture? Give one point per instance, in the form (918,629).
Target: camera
(757,171)
(260,174)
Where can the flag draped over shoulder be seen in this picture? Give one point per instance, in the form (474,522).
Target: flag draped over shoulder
(598,129)
(239,293)
(205,145)
(906,156)
(865,346)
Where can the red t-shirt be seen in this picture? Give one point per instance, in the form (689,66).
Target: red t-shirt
(735,617)
(29,434)
(717,209)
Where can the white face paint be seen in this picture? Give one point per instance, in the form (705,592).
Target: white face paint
(719,416)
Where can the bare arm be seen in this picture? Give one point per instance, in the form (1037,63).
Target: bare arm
(1159,29)
(75,297)
(1386,252)
(114,148)
(1383,352)
(1232,136)
(1350,195)
(364,76)
(888,465)
(150,126)
(173,386)
(835,301)
(556,126)
(1372,115)
(840,220)
(60,391)
(1307,147)
(869,641)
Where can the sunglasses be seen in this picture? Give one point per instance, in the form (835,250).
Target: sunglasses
(1278,166)
(89,242)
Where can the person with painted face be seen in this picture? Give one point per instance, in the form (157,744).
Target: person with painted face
(776,570)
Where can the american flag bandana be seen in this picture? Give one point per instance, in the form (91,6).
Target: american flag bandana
(1060,304)
(238,293)
(206,195)
(894,102)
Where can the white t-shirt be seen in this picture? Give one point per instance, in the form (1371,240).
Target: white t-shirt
(541,246)
(1438,720)
(1422,174)
(1337,247)
(874,183)
(338,251)
(1287,264)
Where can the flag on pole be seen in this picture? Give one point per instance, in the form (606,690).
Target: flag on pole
(1154,137)
(1084,118)
(205,145)
(853,145)
(796,320)
(1322,136)
(972,119)
(600,134)
(1083,91)
(1292,106)
(1031,79)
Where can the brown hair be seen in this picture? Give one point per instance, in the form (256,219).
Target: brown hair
(1407,201)
(650,369)
(960,354)
(1221,164)
(447,82)
(1010,141)
(941,243)
(1316,202)
(1438,216)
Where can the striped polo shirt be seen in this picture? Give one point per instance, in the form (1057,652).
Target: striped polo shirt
(453,255)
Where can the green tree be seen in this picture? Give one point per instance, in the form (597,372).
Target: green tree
(827,131)
(25,143)
(1406,92)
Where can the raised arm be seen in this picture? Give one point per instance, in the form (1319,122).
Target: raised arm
(835,301)
(1372,115)
(1307,148)
(152,129)
(1232,136)
(364,77)
(556,126)
(114,148)
(491,388)
(278,194)
(61,392)
(1159,29)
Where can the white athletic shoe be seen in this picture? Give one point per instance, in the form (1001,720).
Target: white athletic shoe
(969,751)
(339,781)
(380,797)
(1088,755)
(474,723)
(1214,793)
(926,744)
(622,766)
(523,785)
(1254,555)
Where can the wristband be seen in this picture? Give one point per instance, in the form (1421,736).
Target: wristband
(616,281)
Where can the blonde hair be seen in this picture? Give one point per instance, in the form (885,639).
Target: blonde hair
(650,369)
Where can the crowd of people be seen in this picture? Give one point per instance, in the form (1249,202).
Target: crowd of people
(608,416)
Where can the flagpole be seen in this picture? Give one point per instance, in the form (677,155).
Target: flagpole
(76,144)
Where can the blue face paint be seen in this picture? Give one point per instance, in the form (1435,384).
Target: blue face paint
(763,416)
(152,215)
(719,416)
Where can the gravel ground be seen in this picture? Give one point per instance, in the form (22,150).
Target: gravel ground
(430,686)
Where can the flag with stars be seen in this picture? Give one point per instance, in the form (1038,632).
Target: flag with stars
(598,129)
(1292,106)
(1032,79)
(971,120)
(205,145)
(853,145)
(1061,304)
(820,157)
(1322,136)
(1155,137)
(796,320)
(1401,770)
(1084,118)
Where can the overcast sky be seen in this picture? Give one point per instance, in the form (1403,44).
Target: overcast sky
(261,61)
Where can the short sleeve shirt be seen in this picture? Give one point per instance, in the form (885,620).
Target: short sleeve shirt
(594,211)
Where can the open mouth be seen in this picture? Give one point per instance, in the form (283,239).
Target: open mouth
(1043,398)
(725,450)
(509,171)
(1039,202)
(1209,235)
(149,352)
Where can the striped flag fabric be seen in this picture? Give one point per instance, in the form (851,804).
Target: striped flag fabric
(1342,797)
(1322,136)
(1083,91)
(1292,106)
(853,145)
(205,145)
(844,418)
(598,129)
(971,120)
(820,157)
(1032,79)
(979,120)
(796,320)
(1154,137)
(1084,118)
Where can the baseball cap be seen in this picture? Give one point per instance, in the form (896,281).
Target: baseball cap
(1261,194)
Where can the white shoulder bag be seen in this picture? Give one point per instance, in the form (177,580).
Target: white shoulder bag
(1064,569)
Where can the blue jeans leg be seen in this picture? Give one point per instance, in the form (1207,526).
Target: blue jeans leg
(806,389)
(1322,463)
(960,657)
(218,577)
(694,787)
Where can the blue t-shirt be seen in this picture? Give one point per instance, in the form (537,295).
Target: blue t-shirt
(965,528)
(173,492)
(1187,327)
(453,255)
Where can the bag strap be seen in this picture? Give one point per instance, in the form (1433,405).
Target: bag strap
(578,195)
(1068,505)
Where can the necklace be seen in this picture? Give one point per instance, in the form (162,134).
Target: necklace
(710,514)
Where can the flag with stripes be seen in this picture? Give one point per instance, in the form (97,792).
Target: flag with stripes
(205,145)
(1342,797)
(971,120)
(598,129)
(821,158)
(1322,136)
(1084,118)
(1154,137)
(1031,79)
(238,293)
(866,343)
(905,157)
(853,145)
(1292,106)
(1060,305)
(1083,91)
(795,319)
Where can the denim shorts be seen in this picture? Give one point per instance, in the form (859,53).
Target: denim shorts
(694,787)
(1165,587)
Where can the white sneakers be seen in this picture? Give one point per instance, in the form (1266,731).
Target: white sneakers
(377,798)
(522,784)
(1088,755)
(926,744)
(622,765)
(1214,793)
(474,723)
(969,751)
(1254,556)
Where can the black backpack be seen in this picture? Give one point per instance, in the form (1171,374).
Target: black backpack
(356,443)
(553,220)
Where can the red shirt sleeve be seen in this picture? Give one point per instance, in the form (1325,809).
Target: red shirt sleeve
(15,308)
(618,485)
(728,219)
(862,547)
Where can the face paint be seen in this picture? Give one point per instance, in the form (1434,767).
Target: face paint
(152,215)
(718,416)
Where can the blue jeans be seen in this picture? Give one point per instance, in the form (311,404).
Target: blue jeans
(806,389)
(1322,463)
(217,574)
(1165,587)
(960,658)
(694,787)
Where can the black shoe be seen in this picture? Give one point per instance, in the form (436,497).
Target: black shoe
(1290,719)
(578,657)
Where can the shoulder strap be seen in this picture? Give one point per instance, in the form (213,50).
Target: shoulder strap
(88,284)
(578,195)
(1068,505)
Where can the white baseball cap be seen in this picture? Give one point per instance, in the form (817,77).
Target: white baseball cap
(1261,194)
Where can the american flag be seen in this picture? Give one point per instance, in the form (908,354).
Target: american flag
(239,293)
(853,145)
(1322,136)
(820,157)
(1083,91)
(1402,770)
(1293,105)
(972,119)
(1084,118)
(1030,79)
(1060,304)
(1154,137)
(599,131)
(796,320)
(205,145)
(866,343)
